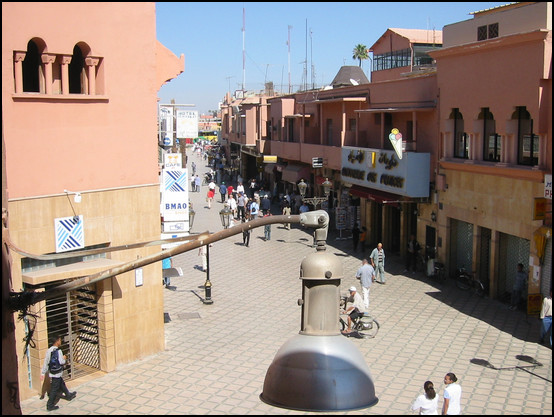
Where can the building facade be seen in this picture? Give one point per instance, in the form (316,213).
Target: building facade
(79,125)
(495,79)
(472,105)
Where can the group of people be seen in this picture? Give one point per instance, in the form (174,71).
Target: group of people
(428,402)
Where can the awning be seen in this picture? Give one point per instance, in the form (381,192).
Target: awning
(396,109)
(74,270)
(294,173)
(381,197)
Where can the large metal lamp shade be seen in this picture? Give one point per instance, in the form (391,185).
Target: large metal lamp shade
(319,369)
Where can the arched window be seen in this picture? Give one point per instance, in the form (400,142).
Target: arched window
(31,68)
(76,73)
(461,138)
(491,140)
(527,141)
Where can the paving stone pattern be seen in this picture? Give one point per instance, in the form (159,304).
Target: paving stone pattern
(217,355)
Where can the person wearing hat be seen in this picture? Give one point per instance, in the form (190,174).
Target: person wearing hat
(356,308)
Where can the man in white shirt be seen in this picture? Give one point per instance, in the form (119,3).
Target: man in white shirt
(356,309)
(452,395)
(366,275)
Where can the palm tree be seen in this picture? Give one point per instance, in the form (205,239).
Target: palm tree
(360,52)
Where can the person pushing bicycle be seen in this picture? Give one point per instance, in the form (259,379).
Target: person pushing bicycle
(357,308)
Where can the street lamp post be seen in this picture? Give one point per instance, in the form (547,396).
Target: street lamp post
(315,201)
(225,215)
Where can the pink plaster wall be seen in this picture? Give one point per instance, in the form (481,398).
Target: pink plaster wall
(54,144)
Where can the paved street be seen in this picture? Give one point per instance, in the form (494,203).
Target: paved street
(216,356)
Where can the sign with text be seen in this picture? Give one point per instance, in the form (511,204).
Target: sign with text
(317,162)
(383,170)
(187,124)
(165,117)
(548,186)
(175,195)
(173,160)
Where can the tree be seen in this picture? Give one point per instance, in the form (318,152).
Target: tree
(360,52)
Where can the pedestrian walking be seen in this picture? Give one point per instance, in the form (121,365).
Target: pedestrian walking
(267,227)
(232,205)
(411,255)
(53,364)
(254,209)
(366,275)
(193,166)
(167,263)
(203,253)
(452,395)
(428,402)
(210,197)
(245,234)
(377,258)
(241,206)
(197,183)
(519,285)
(363,238)
(546,317)
(355,236)
(223,191)
(286,212)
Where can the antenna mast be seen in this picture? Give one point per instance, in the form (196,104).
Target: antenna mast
(243,51)
(288,44)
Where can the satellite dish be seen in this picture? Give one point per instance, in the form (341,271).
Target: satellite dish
(354,82)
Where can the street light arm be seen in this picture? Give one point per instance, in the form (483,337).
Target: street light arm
(316,220)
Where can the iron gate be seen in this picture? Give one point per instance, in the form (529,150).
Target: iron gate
(74,316)
(484,258)
(513,250)
(462,240)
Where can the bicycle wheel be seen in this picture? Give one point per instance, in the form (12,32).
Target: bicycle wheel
(343,325)
(479,288)
(368,327)
(462,282)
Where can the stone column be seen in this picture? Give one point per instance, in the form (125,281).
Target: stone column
(66,60)
(91,64)
(48,60)
(18,69)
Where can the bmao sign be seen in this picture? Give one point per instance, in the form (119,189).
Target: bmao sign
(175,195)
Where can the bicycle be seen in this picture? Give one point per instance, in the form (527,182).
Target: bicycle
(364,326)
(466,281)
(439,272)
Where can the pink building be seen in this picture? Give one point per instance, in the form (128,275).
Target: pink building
(79,126)
(473,104)
(495,79)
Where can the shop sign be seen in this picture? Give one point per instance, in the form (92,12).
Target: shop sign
(383,170)
(548,186)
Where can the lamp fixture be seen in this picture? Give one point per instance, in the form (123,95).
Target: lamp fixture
(77,197)
(433,216)
(315,201)
(225,215)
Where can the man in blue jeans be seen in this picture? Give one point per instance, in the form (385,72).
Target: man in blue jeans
(58,386)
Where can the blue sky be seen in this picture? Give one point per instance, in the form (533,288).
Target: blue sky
(324,34)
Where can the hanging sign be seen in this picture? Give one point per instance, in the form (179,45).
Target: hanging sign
(395,138)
